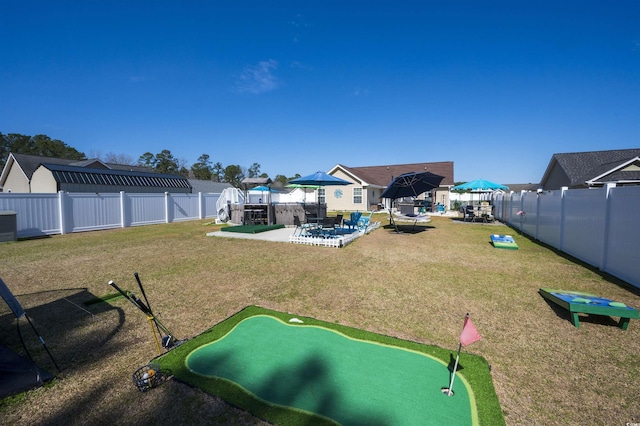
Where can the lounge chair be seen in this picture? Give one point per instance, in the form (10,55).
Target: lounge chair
(300,227)
(415,218)
(328,226)
(365,220)
(352,223)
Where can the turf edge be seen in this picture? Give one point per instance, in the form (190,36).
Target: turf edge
(476,371)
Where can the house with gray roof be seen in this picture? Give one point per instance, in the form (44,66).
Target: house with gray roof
(370,181)
(592,169)
(36,174)
(208,186)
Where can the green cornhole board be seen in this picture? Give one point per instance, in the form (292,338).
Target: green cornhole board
(577,302)
(504,242)
(297,370)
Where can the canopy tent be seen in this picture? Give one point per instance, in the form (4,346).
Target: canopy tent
(410,185)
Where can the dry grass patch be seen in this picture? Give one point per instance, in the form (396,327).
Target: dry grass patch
(412,286)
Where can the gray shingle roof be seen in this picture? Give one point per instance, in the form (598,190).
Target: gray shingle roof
(583,166)
(382,175)
(29,163)
(208,186)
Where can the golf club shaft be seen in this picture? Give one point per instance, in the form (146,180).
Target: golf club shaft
(140,305)
(132,298)
(135,274)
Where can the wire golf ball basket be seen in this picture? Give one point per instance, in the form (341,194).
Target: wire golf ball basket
(148,377)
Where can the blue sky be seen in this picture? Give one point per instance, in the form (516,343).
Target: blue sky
(299,86)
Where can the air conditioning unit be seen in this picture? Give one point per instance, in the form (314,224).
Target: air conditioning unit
(8,226)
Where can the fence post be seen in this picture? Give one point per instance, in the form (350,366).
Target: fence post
(563,191)
(538,194)
(167,218)
(62,212)
(201,213)
(605,226)
(123,212)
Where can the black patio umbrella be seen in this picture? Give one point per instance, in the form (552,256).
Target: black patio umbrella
(410,185)
(319,179)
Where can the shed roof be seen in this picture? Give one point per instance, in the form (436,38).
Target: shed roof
(90,176)
(30,163)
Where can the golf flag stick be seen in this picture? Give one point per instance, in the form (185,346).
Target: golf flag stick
(468,336)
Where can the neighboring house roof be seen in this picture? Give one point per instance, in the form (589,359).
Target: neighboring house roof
(92,176)
(29,163)
(208,186)
(381,175)
(594,168)
(519,187)
(257,181)
(90,172)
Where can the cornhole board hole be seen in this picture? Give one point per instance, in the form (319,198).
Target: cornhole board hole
(504,241)
(585,303)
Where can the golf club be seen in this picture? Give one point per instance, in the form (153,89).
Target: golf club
(167,340)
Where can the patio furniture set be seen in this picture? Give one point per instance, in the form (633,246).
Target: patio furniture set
(482,213)
(331,231)
(330,227)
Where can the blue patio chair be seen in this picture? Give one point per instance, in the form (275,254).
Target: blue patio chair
(364,221)
(352,223)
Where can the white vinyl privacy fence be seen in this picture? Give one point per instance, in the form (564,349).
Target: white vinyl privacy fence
(599,226)
(63,213)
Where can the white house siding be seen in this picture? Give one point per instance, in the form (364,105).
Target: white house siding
(345,203)
(42,182)
(16,181)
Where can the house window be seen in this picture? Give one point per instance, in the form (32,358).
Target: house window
(357,195)
(321,196)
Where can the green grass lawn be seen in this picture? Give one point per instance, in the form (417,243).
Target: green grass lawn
(413,287)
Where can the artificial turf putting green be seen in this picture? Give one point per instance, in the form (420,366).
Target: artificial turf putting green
(290,372)
(252,229)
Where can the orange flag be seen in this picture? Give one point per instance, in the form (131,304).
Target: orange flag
(469,333)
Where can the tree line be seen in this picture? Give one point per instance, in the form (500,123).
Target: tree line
(163,162)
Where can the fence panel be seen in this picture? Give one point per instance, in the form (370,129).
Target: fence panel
(91,212)
(583,226)
(549,217)
(183,207)
(36,214)
(145,208)
(529,217)
(209,205)
(623,234)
